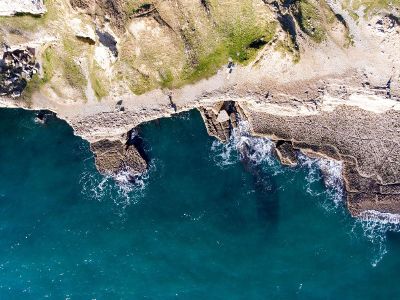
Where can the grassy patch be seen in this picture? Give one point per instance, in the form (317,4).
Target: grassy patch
(239,36)
(31,23)
(37,82)
(207,66)
(33,85)
(192,43)
(72,72)
(141,84)
(99,84)
(48,64)
(133,7)
(310,20)
(167,78)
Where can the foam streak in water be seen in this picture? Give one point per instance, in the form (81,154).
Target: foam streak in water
(375,226)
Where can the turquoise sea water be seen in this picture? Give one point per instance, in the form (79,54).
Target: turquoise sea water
(202,224)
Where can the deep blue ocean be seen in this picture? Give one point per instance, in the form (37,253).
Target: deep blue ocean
(203,223)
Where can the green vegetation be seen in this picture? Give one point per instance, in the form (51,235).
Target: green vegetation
(193,43)
(48,64)
(349,41)
(133,7)
(141,84)
(142,8)
(72,72)
(288,47)
(167,78)
(99,84)
(51,62)
(207,65)
(27,22)
(36,83)
(241,37)
(310,20)
(32,86)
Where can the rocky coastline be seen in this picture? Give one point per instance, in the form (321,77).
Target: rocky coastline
(338,102)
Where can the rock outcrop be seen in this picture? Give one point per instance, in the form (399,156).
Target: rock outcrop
(113,157)
(220,119)
(13,7)
(286,153)
(16,68)
(366,142)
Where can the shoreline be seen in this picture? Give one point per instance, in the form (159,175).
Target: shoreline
(339,101)
(310,151)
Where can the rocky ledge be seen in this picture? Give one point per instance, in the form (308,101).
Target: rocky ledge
(320,77)
(366,142)
(115,157)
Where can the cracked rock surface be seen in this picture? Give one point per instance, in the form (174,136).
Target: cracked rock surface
(366,142)
(113,157)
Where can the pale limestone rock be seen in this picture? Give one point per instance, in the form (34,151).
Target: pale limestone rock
(12,7)
(84,31)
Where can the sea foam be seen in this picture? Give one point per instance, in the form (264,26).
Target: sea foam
(124,188)
(375,226)
(242,145)
(328,170)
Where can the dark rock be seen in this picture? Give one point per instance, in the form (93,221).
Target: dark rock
(107,40)
(286,153)
(17,67)
(113,157)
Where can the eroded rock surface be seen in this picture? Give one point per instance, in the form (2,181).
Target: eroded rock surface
(286,153)
(220,119)
(366,142)
(113,157)
(16,68)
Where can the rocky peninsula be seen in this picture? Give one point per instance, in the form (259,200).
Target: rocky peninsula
(319,77)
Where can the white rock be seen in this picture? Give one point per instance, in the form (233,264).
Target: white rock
(12,7)
(83,30)
(222,116)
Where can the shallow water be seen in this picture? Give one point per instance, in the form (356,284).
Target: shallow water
(202,224)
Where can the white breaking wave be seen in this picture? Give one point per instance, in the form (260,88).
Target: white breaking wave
(375,226)
(330,171)
(125,188)
(242,145)
(383,218)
